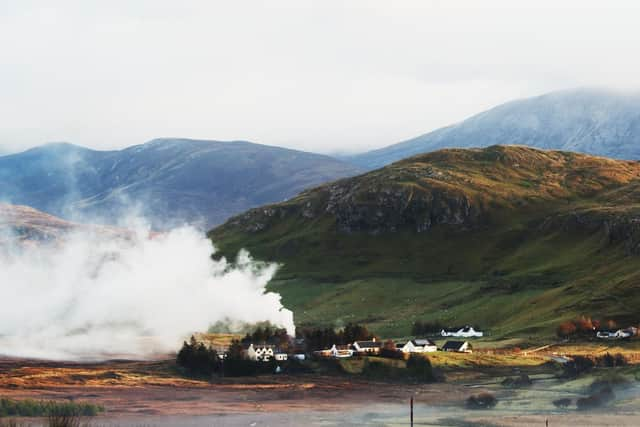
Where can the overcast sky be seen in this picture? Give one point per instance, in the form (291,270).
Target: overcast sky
(323,75)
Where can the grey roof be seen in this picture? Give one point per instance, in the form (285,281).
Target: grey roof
(453,345)
(422,342)
(369,344)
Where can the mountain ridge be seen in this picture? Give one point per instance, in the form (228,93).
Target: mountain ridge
(587,120)
(172,181)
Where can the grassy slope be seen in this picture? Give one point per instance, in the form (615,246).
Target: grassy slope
(506,270)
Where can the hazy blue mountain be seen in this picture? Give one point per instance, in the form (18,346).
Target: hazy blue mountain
(583,120)
(170,181)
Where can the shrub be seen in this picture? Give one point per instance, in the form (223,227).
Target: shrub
(611,361)
(390,351)
(566,329)
(38,408)
(482,401)
(420,369)
(522,381)
(601,397)
(578,366)
(562,403)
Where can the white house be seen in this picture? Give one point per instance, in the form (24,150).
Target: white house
(280,357)
(464,332)
(616,335)
(457,346)
(418,346)
(341,351)
(261,353)
(367,347)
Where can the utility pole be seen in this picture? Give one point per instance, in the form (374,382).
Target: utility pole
(411,406)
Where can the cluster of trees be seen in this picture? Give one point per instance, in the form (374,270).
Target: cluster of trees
(318,339)
(197,359)
(582,327)
(426,328)
(583,364)
(268,335)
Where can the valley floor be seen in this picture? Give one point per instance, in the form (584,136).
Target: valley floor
(136,394)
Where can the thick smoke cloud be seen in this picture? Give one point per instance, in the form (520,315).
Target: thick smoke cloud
(96,296)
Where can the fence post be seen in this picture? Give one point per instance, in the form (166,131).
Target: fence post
(411,405)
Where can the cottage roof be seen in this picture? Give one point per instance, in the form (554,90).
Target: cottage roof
(422,342)
(343,347)
(368,344)
(453,345)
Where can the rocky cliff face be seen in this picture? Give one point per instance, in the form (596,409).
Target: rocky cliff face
(461,188)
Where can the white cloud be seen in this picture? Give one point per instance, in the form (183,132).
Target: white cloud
(315,75)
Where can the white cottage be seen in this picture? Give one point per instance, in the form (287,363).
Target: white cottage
(280,356)
(418,346)
(260,353)
(463,332)
(367,347)
(617,335)
(341,351)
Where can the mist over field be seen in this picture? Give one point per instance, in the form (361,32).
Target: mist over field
(91,296)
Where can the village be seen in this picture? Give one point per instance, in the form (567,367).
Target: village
(265,352)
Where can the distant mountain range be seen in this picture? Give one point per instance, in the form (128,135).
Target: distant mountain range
(508,237)
(588,121)
(169,181)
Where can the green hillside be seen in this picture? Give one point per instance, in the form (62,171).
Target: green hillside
(511,238)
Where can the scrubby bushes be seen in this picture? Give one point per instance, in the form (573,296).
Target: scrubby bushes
(521,381)
(562,403)
(600,397)
(41,408)
(580,327)
(582,364)
(420,369)
(611,360)
(482,401)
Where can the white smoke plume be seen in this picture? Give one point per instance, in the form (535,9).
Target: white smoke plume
(92,296)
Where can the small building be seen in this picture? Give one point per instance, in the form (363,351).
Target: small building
(280,356)
(367,347)
(417,346)
(462,332)
(457,347)
(616,335)
(341,351)
(260,353)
